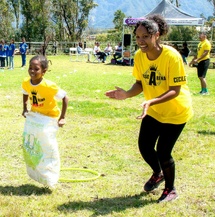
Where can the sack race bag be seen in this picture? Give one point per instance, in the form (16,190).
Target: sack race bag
(40,148)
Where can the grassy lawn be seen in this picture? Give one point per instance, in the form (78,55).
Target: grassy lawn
(101,134)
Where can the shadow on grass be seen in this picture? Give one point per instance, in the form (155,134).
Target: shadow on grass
(24,190)
(106,206)
(206,132)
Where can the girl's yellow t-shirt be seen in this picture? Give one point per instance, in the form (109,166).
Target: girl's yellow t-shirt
(156,77)
(42,97)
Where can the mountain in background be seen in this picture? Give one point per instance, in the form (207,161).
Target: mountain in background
(103,15)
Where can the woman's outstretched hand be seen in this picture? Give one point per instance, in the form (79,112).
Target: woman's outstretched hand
(145,106)
(119,94)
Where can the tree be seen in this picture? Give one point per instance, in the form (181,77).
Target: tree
(6,18)
(213,3)
(116,34)
(15,5)
(181,33)
(36,25)
(71,16)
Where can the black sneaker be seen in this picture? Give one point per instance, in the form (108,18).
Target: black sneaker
(168,195)
(153,182)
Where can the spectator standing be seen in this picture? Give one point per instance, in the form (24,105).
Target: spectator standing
(23,47)
(7,52)
(185,52)
(55,45)
(11,53)
(203,60)
(2,53)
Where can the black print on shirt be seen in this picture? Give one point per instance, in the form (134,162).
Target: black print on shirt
(36,101)
(153,77)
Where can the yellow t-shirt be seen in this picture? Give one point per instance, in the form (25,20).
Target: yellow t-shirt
(156,77)
(202,46)
(43,97)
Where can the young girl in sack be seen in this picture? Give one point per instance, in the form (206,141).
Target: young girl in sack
(42,121)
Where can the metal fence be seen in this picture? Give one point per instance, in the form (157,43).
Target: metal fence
(63,47)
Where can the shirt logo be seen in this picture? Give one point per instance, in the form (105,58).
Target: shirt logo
(36,101)
(153,77)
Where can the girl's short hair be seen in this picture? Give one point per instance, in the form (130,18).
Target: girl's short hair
(42,59)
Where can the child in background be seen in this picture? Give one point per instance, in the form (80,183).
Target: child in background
(7,52)
(23,47)
(11,52)
(2,53)
(39,145)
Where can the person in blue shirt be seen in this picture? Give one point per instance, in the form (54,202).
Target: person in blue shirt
(2,53)
(23,47)
(7,50)
(11,52)
(82,52)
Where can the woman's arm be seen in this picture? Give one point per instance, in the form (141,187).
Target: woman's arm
(121,94)
(168,95)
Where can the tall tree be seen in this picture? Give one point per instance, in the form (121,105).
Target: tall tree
(6,18)
(116,34)
(15,5)
(72,16)
(36,25)
(213,3)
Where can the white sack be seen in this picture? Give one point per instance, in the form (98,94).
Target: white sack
(40,148)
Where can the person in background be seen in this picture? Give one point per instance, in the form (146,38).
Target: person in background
(6,58)
(203,60)
(185,52)
(96,51)
(107,51)
(160,75)
(23,47)
(96,48)
(55,45)
(176,46)
(11,53)
(3,49)
(118,51)
(82,52)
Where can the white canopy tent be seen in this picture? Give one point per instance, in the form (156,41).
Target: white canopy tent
(173,15)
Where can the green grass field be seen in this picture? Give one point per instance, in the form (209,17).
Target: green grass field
(101,134)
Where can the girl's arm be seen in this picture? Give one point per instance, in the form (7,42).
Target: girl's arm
(61,120)
(25,103)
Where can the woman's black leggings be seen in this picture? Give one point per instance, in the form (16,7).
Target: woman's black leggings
(153,132)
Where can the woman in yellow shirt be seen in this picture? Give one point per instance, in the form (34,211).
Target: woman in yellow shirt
(160,75)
